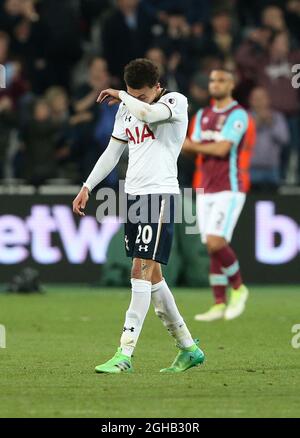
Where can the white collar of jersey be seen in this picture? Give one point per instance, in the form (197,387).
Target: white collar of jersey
(222,110)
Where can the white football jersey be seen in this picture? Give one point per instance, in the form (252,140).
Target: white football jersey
(153,147)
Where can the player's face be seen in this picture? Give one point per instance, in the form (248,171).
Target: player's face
(145,94)
(220,84)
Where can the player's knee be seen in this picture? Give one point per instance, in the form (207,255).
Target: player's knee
(142,269)
(136,269)
(135,272)
(214,244)
(156,274)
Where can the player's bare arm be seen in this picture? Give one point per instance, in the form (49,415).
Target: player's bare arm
(217,149)
(106,163)
(80,201)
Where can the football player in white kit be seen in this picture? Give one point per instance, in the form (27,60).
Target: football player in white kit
(153,123)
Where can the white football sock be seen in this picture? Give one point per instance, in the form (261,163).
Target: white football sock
(166,309)
(135,315)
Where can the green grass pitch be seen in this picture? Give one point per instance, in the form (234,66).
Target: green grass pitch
(55,340)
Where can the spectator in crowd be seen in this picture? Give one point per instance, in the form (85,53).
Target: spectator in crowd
(126,35)
(27,47)
(248,56)
(178,43)
(249,13)
(218,38)
(9,14)
(8,122)
(90,11)
(39,144)
(86,94)
(275,74)
(224,36)
(12,10)
(198,93)
(273,17)
(17,18)
(58,101)
(252,49)
(59,105)
(57,37)
(272,135)
(196,11)
(92,123)
(293,18)
(171,77)
(16,86)
(21,44)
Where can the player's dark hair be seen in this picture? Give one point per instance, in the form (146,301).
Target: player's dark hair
(141,73)
(225,70)
(232,73)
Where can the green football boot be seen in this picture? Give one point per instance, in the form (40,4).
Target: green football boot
(185,359)
(119,363)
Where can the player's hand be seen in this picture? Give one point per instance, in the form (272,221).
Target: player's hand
(80,201)
(111,94)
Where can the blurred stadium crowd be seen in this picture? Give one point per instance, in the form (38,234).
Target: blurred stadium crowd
(58,54)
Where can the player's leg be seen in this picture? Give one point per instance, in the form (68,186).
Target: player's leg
(137,239)
(218,283)
(166,309)
(217,280)
(220,251)
(139,305)
(224,217)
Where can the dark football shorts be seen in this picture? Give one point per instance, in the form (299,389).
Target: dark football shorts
(149,226)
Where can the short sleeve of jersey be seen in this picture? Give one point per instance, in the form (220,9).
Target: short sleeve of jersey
(177,104)
(195,127)
(119,132)
(235,126)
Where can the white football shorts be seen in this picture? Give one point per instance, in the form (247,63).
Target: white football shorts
(218,213)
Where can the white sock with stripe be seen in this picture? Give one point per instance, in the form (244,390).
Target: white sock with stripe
(166,309)
(135,315)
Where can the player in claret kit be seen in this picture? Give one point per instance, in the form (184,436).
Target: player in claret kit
(217,134)
(153,122)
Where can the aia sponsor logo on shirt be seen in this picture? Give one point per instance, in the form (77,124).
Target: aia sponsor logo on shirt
(137,135)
